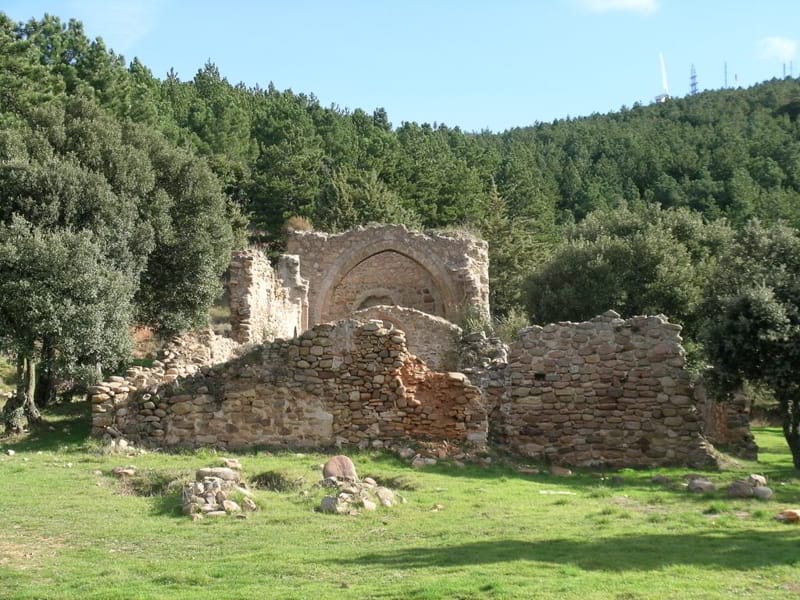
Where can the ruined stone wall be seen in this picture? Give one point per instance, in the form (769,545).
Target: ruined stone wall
(432,339)
(350,382)
(182,357)
(604,392)
(437,273)
(266,302)
(727,424)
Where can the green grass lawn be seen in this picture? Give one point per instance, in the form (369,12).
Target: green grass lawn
(68,532)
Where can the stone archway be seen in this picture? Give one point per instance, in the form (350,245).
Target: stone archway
(384,268)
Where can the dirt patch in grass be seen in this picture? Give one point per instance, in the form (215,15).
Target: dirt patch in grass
(22,552)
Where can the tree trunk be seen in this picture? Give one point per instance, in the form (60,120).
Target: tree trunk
(790,406)
(21,410)
(31,411)
(45,383)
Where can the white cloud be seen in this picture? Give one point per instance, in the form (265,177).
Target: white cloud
(121,23)
(781,48)
(644,7)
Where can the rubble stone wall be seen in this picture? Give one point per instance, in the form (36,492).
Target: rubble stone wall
(266,302)
(603,392)
(727,424)
(349,382)
(437,273)
(432,339)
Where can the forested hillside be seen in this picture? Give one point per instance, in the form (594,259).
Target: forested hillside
(728,153)
(152,180)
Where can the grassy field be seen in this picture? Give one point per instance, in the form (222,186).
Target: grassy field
(68,529)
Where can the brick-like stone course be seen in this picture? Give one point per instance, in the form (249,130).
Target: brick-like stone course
(603,392)
(432,339)
(441,273)
(266,302)
(350,382)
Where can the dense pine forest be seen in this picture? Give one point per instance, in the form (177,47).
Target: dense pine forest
(122,195)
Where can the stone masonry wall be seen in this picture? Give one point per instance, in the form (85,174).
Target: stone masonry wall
(182,357)
(266,302)
(432,339)
(727,424)
(604,392)
(435,272)
(350,382)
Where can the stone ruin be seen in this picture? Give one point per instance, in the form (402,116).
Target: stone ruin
(349,340)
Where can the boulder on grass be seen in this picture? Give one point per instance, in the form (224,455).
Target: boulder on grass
(340,467)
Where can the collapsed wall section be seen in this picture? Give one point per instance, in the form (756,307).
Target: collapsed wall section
(437,273)
(604,392)
(349,382)
(266,302)
(433,339)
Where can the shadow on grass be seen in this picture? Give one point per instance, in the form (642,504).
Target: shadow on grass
(65,426)
(740,550)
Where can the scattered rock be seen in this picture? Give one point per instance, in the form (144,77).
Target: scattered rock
(249,504)
(224,473)
(369,504)
(757,480)
(790,515)
(232,463)
(340,467)
(331,505)
(231,507)
(560,471)
(217,513)
(370,481)
(528,470)
(741,488)
(123,471)
(406,453)
(386,496)
(437,507)
(700,485)
(10,452)
(762,492)
(660,480)
(421,462)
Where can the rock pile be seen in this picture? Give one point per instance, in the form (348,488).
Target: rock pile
(212,494)
(754,486)
(351,495)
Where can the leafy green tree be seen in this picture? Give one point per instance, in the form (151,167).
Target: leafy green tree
(516,248)
(62,303)
(636,261)
(752,319)
(349,199)
(287,173)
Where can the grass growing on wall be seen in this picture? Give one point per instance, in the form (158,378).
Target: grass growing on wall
(68,529)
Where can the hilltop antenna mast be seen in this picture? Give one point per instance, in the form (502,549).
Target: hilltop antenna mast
(664,95)
(693,81)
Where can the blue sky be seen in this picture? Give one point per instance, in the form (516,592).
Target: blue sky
(490,64)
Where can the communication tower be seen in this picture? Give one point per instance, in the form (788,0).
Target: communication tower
(693,81)
(664,95)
